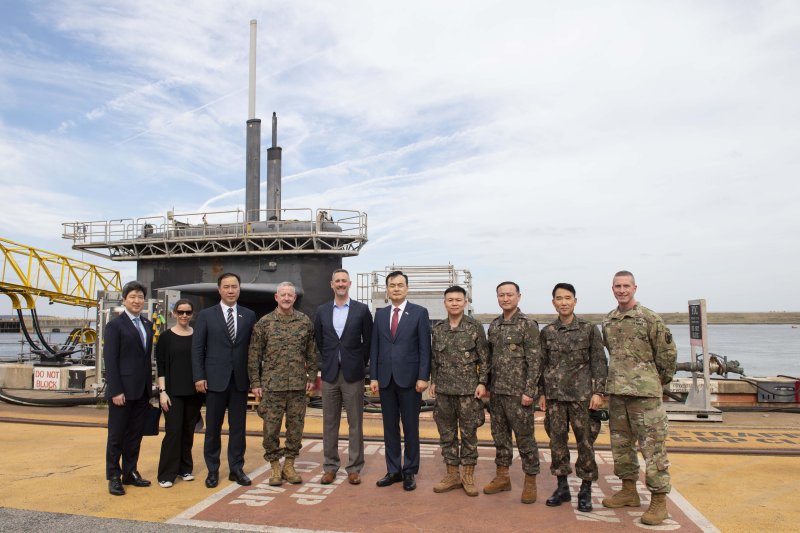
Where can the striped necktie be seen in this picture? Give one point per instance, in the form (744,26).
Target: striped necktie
(231,325)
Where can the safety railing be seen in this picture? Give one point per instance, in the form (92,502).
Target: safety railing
(271,231)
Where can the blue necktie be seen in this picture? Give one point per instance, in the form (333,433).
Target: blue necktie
(138,323)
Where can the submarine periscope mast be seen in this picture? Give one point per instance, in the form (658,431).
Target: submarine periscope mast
(188,251)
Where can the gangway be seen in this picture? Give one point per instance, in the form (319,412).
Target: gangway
(29,273)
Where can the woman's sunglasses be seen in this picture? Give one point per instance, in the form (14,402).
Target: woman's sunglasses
(183,313)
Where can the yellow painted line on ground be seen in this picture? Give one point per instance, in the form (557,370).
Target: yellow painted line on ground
(681,435)
(767,439)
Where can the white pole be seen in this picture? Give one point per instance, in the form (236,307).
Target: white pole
(252,95)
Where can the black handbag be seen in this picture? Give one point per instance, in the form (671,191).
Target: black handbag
(152,419)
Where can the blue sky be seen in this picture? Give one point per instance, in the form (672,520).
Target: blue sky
(525,140)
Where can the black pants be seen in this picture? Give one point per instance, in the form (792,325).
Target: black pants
(176,448)
(125,425)
(401,404)
(235,402)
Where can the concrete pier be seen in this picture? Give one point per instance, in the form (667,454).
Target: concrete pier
(52,463)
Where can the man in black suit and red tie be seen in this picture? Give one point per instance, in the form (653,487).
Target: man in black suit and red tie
(400,366)
(219,366)
(343,331)
(127,343)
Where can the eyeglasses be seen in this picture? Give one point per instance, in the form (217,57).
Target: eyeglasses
(183,313)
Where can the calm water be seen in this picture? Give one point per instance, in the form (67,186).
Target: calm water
(763,350)
(12,344)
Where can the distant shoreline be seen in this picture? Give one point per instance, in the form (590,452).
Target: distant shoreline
(792,318)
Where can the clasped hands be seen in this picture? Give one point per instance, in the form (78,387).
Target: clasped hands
(258,392)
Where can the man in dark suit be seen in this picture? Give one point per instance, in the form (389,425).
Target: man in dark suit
(400,364)
(127,343)
(219,365)
(343,331)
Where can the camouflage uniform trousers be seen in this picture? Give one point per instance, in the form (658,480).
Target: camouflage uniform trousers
(452,412)
(644,420)
(595,426)
(509,414)
(558,418)
(273,407)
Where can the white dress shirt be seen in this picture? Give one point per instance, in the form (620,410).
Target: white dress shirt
(402,307)
(235,317)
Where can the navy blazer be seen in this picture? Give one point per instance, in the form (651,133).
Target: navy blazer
(215,358)
(353,345)
(128,366)
(407,357)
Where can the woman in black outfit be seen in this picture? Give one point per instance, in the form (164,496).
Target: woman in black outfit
(178,398)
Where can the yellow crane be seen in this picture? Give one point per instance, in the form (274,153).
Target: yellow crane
(29,273)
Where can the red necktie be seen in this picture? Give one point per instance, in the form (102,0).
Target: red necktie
(395,320)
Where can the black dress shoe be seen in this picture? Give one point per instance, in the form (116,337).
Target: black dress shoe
(115,487)
(408,481)
(388,479)
(135,479)
(212,480)
(585,497)
(240,477)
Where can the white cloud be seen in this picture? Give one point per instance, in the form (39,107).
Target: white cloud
(522,140)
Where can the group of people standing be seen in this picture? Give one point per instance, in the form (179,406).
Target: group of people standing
(563,368)
(514,367)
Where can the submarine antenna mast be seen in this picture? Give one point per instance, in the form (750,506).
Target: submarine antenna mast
(187,252)
(274,174)
(253,157)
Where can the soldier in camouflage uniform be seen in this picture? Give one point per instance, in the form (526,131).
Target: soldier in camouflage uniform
(459,373)
(283,366)
(516,367)
(574,375)
(642,361)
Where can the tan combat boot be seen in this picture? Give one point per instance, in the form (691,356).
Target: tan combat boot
(275,478)
(529,489)
(627,497)
(500,482)
(450,481)
(657,512)
(468,480)
(289,473)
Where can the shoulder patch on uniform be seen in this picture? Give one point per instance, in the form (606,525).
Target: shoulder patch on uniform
(668,336)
